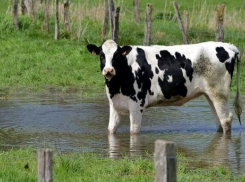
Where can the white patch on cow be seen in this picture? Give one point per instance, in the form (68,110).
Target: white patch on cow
(109,48)
(170,79)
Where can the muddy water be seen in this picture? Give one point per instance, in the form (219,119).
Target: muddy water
(68,123)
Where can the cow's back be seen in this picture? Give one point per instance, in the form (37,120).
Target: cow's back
(180,73)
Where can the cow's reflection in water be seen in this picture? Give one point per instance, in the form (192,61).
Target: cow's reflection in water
(119,148)
(222,150)
(226,151)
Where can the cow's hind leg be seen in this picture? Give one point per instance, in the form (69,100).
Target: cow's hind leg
(217,121)
(114,120)
(222,110)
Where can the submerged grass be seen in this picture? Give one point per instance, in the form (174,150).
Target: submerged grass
(21,165)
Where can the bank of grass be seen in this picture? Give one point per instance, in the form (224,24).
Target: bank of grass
(21,165)
(30,58)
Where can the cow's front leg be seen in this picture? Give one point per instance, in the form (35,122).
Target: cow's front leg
(135,121)
(114,120)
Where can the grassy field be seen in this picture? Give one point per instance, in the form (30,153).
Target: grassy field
(93,167)
(31,59)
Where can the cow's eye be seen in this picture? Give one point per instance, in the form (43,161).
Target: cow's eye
(102,56)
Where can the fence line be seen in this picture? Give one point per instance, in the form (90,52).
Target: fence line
(218,32)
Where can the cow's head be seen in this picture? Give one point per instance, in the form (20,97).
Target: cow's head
(111,56)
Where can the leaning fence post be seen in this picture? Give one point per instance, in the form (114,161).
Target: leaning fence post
(184,36)
(111,16)
(136,11)
(106,19)
(23,7)
(31,3)
(116,24)
(165,161)
(219,34)
(147,35)
(15,12)
(45,173)
(185,22)
(46,16)
(56,33)
(66,15)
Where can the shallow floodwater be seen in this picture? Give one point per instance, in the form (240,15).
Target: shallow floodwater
(68,123)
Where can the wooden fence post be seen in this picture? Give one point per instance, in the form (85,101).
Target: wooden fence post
(45,173)
(46,16)
(116,24)
(165,161)
(136,11)
(66,14)
(56,34)
(111,16)
(184,36)
(23,7)
(185,22)
(147,35)
(38,6)
(15,12)
(219,34)
(31,3)
(106,19)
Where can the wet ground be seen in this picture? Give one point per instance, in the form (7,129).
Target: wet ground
(69,123)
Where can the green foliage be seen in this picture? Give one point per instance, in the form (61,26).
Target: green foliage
(21,165)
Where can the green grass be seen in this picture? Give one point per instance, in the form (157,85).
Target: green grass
(74,167)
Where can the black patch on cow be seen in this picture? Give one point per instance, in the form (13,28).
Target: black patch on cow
(141,110)
(222,54)
(143,76)
(230,66)
(157,70)
(102,61)
(124,79)
(172,66)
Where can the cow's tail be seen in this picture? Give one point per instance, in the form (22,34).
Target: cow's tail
(238,101)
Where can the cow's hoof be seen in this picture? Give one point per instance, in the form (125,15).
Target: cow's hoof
(134,132)
(110,132)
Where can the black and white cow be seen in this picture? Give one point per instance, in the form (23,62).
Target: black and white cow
(137,77)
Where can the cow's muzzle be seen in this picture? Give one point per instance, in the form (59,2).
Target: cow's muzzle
(108,73)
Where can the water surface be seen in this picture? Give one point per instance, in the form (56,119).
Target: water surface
(69,123)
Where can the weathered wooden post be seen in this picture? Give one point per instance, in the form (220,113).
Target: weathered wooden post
(45,173)
(136,11)
(165,161)
(111,16)
(185,22)
(38,6)
(46,16)
(116,24)
(106,19)
(219,34)
(66,15)
(31,3)
(184,36)
(147,35)
(15,12)
(23,7)
(56,33)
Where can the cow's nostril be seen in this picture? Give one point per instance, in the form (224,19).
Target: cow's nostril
(108,73)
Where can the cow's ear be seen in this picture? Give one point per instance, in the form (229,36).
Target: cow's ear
(93,49)
(125,50)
